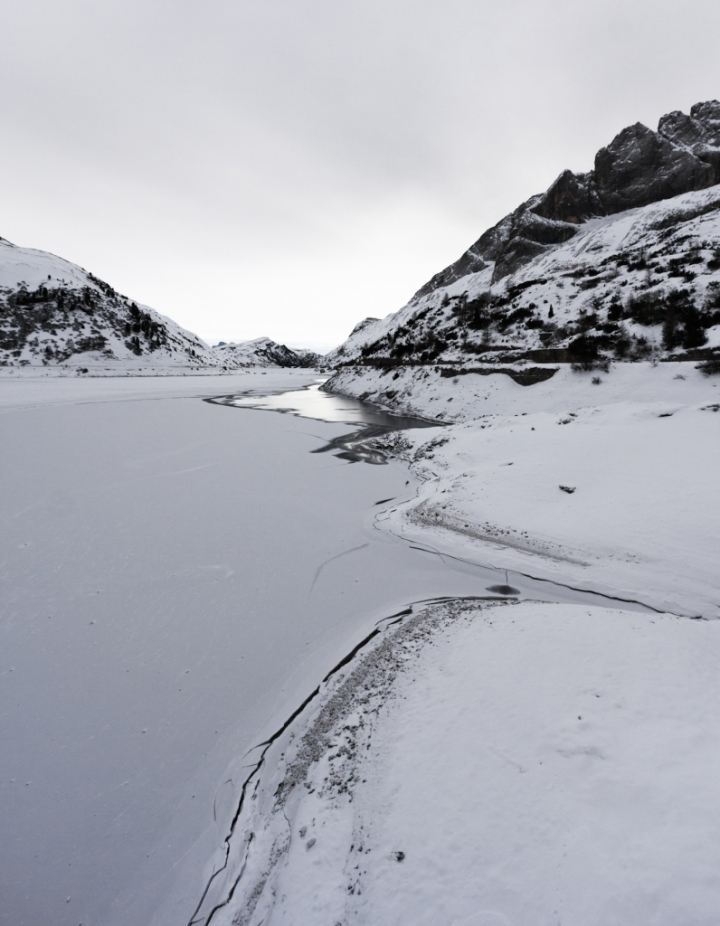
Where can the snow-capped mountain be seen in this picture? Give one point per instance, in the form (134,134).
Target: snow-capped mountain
(54,313)
(622,262)
(57,316)
(263,352)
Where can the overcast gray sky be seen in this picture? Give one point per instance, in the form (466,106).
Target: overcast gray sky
(288,167)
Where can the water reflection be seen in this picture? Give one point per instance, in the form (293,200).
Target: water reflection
(311,402)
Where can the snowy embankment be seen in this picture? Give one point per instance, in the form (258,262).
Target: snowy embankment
(499,764)
(603,485)
(495,763)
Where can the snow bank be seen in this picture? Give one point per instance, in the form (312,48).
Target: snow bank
(607,486)
(504,764)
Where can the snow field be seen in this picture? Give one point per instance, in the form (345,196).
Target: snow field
(639,451)
(524,764)
(550,764)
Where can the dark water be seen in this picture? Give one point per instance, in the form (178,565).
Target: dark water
(323,406)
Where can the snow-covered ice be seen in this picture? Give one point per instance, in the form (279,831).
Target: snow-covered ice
(176,577)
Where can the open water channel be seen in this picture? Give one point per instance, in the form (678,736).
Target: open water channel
(177,575)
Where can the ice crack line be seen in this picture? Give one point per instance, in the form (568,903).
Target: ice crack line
(198,918)
(573,588)
(332,559)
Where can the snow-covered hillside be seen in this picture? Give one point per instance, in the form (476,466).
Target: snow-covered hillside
(623,262)
(263,352)
(55,314)
(57,318)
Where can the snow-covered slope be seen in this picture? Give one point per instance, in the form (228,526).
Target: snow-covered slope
(55,314)
(497,765)
(609,485)
(263,352)
(621,262)
(58,318)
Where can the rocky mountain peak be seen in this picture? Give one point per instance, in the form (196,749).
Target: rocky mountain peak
(619,263)
(637,168)
(640,167)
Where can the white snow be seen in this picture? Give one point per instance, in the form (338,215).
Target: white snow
(532,763)
(507,764)
(640,449)
(548,764)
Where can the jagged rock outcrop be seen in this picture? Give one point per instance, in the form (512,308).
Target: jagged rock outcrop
(640,167)
(700,132)
(637,168)
(621,263)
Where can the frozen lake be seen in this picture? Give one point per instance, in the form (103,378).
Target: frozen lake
(177,575)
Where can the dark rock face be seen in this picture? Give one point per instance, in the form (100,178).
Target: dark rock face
(700,132)
(708,115)
(571,198)
(282,356)
(682,129)
(640,167)
(637,168)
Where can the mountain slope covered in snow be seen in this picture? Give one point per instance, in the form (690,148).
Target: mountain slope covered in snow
(620,263)
(58,317)
(263,352)
(54,313)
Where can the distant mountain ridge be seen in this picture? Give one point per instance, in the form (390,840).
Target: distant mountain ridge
(263,351)
(619,263)
(57,316)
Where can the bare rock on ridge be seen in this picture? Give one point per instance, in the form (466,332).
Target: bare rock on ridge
(637,168)
(640,167)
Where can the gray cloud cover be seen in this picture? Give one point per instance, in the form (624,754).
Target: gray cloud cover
(288,168)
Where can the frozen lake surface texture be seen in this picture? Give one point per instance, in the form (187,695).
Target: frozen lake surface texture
(178,575)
